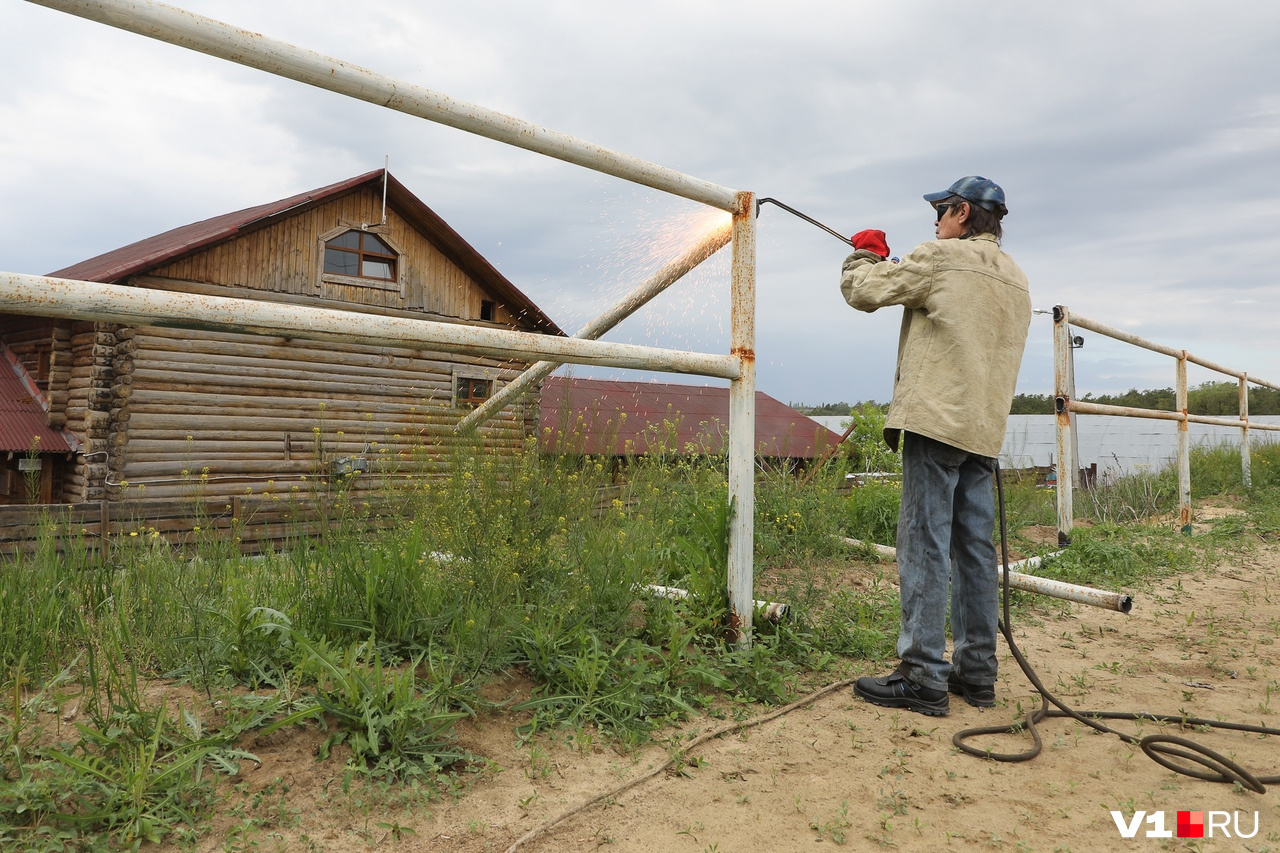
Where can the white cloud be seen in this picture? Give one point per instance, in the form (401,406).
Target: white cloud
(1139,144)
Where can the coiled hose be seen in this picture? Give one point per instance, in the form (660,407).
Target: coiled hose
(1165,750)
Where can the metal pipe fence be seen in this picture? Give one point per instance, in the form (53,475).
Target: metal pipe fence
(85,300)
(1066,406)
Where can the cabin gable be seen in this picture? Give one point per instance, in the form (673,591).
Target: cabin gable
(288,257)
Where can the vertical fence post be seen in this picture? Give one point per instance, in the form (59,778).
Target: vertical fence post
(1246,470)
(1184,447)
(1064,391)
(742,418)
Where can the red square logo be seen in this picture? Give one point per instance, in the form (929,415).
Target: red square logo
(1191,824)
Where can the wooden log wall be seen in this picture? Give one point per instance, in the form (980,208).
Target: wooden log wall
(81,420)
(31,340)
(250,524)
(221,415)
(60,363)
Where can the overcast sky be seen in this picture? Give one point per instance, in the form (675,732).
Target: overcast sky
(1138,144)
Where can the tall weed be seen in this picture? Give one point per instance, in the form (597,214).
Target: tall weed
(871,513)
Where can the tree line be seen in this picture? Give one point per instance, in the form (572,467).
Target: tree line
(1208,398)
(1221,399)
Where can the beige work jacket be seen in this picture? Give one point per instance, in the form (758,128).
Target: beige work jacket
(966,311)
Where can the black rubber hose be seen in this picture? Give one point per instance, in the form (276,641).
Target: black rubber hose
(1161,748)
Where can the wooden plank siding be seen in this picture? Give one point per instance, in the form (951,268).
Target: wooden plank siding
(286,258)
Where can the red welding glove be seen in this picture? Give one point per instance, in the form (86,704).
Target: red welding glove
(872,240)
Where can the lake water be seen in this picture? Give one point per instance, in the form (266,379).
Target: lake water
(1116,444)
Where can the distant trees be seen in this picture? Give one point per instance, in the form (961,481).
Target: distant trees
(840,409)
(1031,404)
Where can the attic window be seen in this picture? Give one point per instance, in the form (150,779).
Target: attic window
(360,254)
(488,310)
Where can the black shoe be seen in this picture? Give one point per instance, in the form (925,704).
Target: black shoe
(895,691)
(977,695)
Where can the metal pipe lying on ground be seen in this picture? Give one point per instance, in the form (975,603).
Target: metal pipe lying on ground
(624,308)
(772,611)
(1030,583)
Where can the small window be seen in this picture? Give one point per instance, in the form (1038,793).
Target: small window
(360,254)
(473,392)
(488,310)
(44,361)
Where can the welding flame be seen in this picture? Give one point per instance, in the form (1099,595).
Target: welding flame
(674,242)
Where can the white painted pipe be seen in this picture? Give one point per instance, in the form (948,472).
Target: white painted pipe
(1064,389)
(207,35)
(773,611)
(1030,583)
(42,296)
(742,417)
(624,308)
(1087,408)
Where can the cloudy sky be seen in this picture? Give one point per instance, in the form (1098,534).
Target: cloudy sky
(1138,144)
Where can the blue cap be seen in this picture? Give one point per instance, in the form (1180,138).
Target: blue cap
(982,192)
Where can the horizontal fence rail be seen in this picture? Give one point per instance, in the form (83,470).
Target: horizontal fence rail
(1067,406)
(83,300)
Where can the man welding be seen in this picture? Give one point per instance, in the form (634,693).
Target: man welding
(966,311)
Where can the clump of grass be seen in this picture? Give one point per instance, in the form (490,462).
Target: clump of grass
(871,513)
(1110,556)
(134,773)
(1217,469)
(395,725)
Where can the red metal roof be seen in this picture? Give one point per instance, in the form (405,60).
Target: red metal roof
(137,258)
(582,416)
(23,419)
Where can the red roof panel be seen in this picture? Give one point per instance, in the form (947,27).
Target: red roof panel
(23,419)
(600,416)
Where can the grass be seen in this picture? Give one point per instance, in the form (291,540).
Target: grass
(389,638)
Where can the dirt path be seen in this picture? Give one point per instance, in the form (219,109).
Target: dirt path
(837,770)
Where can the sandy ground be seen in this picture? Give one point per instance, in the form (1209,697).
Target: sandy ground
(834,771)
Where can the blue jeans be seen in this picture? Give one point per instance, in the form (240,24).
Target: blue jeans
(945,538)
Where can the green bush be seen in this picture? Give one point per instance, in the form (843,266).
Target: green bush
(871,513)
(865,448)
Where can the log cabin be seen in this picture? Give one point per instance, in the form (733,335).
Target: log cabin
(171,413)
